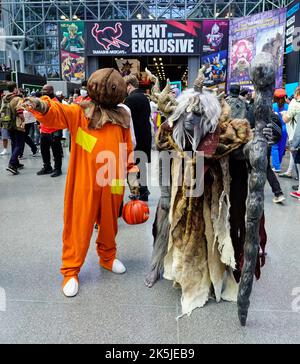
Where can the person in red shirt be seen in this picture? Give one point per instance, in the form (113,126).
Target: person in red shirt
(51,139)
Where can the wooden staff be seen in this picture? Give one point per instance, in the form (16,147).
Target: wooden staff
(263,77)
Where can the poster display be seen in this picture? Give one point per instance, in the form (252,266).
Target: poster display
(251,35)
(147,38)
(128,66)
(216,68)
(72,67)
(215,35)
(72,54)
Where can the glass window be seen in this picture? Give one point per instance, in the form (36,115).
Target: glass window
(52,43)
(51,29)
(28,57)
(40,71)
(38,57)
(52,58)
(39,43)
(53,72)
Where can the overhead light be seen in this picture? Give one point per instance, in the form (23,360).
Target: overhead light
(139,16)
(160,59)
(63,17)
(156,64)
(161,64)
(154,59)
(75,17)
(151,16)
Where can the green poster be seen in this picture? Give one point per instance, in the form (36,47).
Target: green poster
(72,37)
(72,54)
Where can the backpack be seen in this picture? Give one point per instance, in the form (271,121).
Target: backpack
(7,117)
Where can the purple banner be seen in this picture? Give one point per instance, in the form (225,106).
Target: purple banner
(251,35)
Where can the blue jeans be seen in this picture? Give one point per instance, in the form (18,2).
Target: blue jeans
(278,151)
(17,144)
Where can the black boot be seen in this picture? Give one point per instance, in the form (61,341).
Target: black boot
(56,173)
(45,171)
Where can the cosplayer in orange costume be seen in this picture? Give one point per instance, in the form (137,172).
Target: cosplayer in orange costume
(94,129)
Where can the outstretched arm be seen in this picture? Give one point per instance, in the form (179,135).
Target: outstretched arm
(53,114)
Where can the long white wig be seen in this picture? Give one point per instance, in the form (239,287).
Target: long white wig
(194,126)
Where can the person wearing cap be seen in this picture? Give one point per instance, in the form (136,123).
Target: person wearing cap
(278,150)
(101,158)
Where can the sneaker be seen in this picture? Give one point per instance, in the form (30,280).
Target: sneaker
(118,267)
(21,158)
(285,175)
(20,166)
(56,173)
(4,152)
(295,195)
(279,199)
(12,169)
(71,288)
(44,171)
(276,170)
(35,154)
(295,188)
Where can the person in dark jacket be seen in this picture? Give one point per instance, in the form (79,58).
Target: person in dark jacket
(140,112)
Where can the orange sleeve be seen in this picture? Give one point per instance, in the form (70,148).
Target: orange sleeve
(59,116)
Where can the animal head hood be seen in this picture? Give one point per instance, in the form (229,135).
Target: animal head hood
(107,88)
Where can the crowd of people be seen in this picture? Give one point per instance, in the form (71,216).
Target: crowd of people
(106,111)
(286,112)
(21,128)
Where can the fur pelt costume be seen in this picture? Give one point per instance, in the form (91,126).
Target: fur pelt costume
(193,235)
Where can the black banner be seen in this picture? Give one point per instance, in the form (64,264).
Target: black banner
(292,58)
(167,37)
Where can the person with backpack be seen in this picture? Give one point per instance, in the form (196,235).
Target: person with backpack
(12,119)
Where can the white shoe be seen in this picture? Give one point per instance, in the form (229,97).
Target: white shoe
(279,199)
(71,288)
(118,267)
(4,152)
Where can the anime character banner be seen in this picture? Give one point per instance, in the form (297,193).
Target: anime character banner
(72,67)
(72,45)
(251,35)
(216,68)
(147,38)
(215,35)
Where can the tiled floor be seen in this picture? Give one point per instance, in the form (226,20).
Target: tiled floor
(120,309)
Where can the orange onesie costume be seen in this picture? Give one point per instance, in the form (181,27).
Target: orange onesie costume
(97,171)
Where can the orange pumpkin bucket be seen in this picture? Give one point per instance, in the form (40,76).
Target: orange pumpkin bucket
(135,212)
